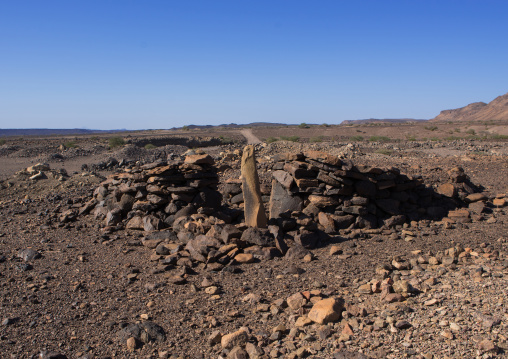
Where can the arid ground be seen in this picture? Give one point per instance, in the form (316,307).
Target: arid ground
(72,287)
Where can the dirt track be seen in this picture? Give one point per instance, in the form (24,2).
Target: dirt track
(250,137)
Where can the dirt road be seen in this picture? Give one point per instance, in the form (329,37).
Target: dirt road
(251,138)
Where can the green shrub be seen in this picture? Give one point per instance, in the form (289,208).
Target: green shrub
(303,125)
(452,138)
(94,138)
(471,132)
(434,139)
(70,144)
(2,141)
(271,139)
(499,137)
(116,142)
(290,138)
(384,151)
(226,140)
(411,138)
(185,128)
(430,128)
(149,146)
(379,139)
(356,138)
(316,139)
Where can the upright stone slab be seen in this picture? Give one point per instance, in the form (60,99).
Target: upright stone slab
(253,205)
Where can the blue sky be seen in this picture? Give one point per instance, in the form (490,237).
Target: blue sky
(159,64)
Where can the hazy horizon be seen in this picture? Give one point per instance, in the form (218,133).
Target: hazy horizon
(157,64)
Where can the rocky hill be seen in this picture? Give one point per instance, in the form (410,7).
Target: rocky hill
(383,120)
(477,111)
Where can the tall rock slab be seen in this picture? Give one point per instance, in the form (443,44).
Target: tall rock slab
(255,215)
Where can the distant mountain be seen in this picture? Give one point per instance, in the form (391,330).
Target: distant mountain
(233,125)
(49,131)
(497,109)
(377,120)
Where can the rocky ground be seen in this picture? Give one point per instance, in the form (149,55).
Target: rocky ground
(426,289)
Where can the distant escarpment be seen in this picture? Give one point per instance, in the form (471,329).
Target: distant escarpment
(495,110)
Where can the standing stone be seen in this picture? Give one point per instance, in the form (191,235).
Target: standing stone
(254,210)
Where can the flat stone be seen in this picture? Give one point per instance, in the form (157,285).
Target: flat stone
(283,178)
(475,197)
(244,258)
(447,190)
(199,159)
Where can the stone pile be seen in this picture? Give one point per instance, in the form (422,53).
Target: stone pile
(315,192)
(314,197)
(153,196)
(42,171)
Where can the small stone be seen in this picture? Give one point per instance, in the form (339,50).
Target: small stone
(487,346)
(327,310)
(296,301)
(214,338)
(447,334)
(365,289)
(29,254)
(475,197)
(335,250)
(237,353)
(402,324)
(239,337)
(454,327)
(244,258)
(212,290)
(132,344)
(302,322)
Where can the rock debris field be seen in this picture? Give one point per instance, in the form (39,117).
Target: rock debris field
(337,251)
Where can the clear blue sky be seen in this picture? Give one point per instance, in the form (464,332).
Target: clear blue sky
(159,64)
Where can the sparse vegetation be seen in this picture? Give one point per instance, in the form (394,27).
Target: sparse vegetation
(431,128)
(471,132)
(384,151)
(70,144)
(452,138)
(303,125)
(379,138)
(411,137)
(499,137)
(150,146)
(316,139)
(116,142)
(185,128)
(2,141)
(94,138)
(290,138)
(434,139)
(271,139)
(356,138)
(226,140)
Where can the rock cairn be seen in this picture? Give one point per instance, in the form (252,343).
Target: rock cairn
(315,192)
(314,197)
(153,196)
